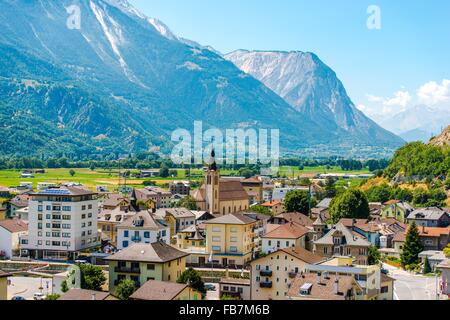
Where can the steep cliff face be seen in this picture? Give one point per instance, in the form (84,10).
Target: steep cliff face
(443,139)
(312,88)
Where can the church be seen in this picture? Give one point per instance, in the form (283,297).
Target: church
(220,196)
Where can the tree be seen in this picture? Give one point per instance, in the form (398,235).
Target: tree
(188,203)
(125,289)
(330,188)
(92,166)
(374,255)
(427,267)
(447,251)
(297,201)
(164,172)
(412,247)
(64,286)
(381,193)
(72,172)
(52,297)
(352,204)
(92,277)
(193,279)
(260,209)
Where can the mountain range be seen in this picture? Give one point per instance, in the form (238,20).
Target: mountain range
(123,82)
(417,123)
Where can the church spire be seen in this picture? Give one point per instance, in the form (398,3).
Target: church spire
(212,161)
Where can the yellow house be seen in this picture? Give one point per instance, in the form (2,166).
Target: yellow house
(178,219)
(230,240)
(163,290)
(4,285)
(272,275)
(143,262)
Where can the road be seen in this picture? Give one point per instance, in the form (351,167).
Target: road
(27,286)
(409,286)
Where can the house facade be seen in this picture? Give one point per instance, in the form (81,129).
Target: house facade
(143,262)
(271,276)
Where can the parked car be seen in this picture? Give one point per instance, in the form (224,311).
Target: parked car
(17,298)
(210,287)
(39,296)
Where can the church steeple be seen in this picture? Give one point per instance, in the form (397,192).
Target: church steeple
(212,161)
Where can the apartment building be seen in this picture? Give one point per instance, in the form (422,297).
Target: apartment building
(10,233)
(230,240)
(62,223)
(180,187)
(271,276)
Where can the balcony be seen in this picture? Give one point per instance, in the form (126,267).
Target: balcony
(292,274)
(136,239)
(266,284)
(127,270)
(266,273)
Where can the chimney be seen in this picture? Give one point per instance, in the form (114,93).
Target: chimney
(336,285)
(423,229)
(93,297)
(319,278)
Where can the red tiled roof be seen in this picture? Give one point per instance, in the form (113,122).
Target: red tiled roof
(14,225)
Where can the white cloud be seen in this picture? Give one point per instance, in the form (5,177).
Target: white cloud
(401,98)
(433,93)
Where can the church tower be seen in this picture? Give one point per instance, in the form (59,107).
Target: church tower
(212,178)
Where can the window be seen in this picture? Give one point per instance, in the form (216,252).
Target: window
(125,244)
(233,230)
(66,217)
(90,206)
(83,216)
(90,215)
(126,234)
(40,208)
(150,267)
(233,239)
(233,249)
(384,289)
(83,207)
(226,288)
(216,229)
(66,226)
(56,208)
(147,235)
(67,208)
(216,239)
(48,208)
(216,248)
(48,216)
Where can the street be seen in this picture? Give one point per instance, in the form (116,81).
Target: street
(27,286)
(410,286)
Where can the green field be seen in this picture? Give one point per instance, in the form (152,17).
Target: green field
(295,172)
(92,178)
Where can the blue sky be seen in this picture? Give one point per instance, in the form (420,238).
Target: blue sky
(386,68)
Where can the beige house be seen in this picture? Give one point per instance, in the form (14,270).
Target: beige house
(144,262)
(340,241)
(284,236)
(271,276)
(4,285)
(220,196)
(276,207)
(234,287)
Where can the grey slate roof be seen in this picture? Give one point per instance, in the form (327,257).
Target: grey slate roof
(350,239)
(427,214)
(157,252)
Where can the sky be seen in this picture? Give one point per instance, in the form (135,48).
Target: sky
(401,61)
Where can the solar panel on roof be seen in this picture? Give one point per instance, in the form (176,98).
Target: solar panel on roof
(56,192)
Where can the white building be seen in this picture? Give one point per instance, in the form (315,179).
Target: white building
(280,193)
(62,222)
(45,185)
(10,233)
(143,227)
